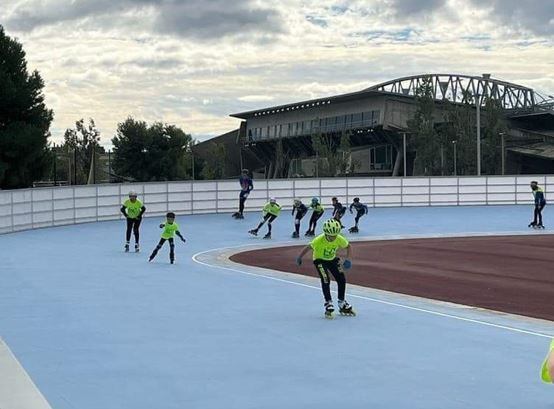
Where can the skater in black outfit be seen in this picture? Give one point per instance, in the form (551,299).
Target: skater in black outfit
(540,202)
(246,186)
(338,211)
(300,209)
(132,209)
(170,229)
(361,209)
(317,212)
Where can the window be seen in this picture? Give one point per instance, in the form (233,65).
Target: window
(356,120)
(376,115)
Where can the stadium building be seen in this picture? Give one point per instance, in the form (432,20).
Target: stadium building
(278,141)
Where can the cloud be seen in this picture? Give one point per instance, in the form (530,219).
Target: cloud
(531,15)
(407,8)
(198,19)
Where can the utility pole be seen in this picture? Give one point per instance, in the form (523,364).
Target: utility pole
(455,158)
(404,153)
(478,106)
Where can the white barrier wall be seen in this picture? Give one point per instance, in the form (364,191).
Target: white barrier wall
(42,207)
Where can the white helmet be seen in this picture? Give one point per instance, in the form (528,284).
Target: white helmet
(132,193)
(272,200)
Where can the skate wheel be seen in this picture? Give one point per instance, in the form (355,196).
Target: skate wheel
(329,315)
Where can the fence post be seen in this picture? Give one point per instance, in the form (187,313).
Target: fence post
(373,191)
(457,190)
(96,186)
(32,209)
(429,190)
(217,197)
(52,200)
(11,208)
(486,190)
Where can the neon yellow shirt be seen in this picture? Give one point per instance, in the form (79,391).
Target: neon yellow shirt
(318,208)
(272,208)
(327,250)
(545,375)
(133,208)
(169,230)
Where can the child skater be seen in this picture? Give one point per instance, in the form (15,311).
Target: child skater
(132,209)
(327,263)
(170,229)
(270,212)
(317,212)
(300,209)
(338,210)
(540,202)
(361,209)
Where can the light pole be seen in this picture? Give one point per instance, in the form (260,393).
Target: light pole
(404,153)
(478,106)
(503,150)
(455,159)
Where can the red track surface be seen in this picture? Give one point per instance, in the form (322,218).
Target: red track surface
(512,274)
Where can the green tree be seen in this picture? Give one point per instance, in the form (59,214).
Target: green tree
(24,119)
(214,164)
(333,153)
(494,126)
(151,153)
(424,138)
(83,144)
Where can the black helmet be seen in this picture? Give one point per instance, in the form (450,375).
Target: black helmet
(170,215)
(356,199)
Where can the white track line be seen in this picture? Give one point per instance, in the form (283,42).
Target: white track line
(394,304)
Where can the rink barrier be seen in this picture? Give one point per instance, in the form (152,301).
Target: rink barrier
(25,209)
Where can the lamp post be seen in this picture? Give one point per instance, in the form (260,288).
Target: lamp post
(404,153)
(503,150)
(478,107)
(455,158)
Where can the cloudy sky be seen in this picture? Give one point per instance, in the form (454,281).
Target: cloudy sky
(193,62)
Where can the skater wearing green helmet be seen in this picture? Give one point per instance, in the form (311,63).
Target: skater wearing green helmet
(317,212)
(324,248)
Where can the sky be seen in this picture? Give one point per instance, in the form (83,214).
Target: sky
(191,63)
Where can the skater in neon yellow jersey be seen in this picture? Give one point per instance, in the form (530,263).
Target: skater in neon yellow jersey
(547,369)
(132,209)
(170,229)
(327,263)
(270,212)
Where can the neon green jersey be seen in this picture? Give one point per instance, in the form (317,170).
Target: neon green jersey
(169,230)
(272,208)
(327,250)
(545,375)
(133,208)
(318,208)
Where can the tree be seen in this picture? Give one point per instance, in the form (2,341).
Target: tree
(24,119)
(214,164)
(333,153)
(424,136)
(494,126)
(83,144)
(151,153)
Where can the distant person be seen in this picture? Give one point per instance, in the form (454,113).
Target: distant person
(547,369)
(361,210)
(132,209)
(324,248)
(317,212)
(246,186)
(170,229)
(300,209)
(338,210)
(270,212)
(540,202)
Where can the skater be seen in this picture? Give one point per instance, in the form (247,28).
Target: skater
(270,212)
(170,229)
(317,212)
(324,248)
(132,209)
(338,210)
(246,187)
(547,369)
(540,202)
(361,209)
(301,210)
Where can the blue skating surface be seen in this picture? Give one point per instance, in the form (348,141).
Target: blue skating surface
(96,328)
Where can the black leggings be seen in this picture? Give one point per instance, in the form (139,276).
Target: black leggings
(171,248)
(538,213)
(326,267)
(133,224)
(313,220)
(269,219)
(297,218)
(358,216)
(242,199)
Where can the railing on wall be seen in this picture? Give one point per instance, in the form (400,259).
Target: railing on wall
(43,207)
